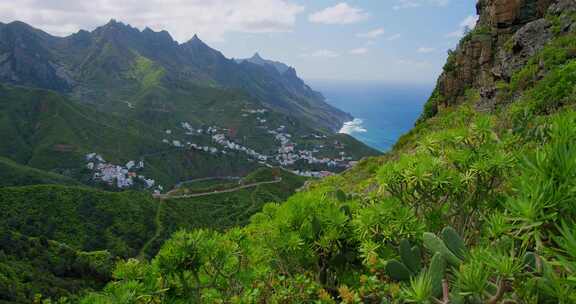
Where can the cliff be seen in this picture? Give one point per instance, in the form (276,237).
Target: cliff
(508,34)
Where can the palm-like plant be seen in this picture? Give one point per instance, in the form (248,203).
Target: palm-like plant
(420,289)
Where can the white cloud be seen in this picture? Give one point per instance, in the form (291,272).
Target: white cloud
(359,51)
(468,23)
(372,34)
(403,4)
(211,19)
(394,37)
(323,53)
(425,50)
(341,13)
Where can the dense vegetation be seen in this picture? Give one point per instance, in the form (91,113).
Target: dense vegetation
(14,174)
(470,207)
(61,241)
(82,218)
(32,267)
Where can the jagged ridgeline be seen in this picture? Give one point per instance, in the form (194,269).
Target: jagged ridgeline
(475,205)
(119,68)
(139,95)
(182,111)
(93,124)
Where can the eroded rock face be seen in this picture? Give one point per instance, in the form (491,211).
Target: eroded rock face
(504,14)
(507,34)
(525,43)
(563,6)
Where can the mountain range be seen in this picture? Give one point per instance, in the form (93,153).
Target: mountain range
(130,95)
(117,63)
(476,204)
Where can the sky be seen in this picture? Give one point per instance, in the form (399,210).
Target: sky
(393,41)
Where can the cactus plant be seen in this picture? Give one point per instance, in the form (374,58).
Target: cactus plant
(397,271)
(437,271)
(417,252)
(410,257)
(435,244)
(454,242)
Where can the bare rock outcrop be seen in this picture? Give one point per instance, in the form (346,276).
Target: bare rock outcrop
(508,33)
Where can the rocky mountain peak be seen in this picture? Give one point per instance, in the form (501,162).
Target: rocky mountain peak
(195,40)
(160,37)
(257,59)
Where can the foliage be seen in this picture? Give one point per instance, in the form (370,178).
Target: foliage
(82,218)
(343,247)
(504,180)
(36,266)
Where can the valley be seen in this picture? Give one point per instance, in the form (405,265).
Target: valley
(138,169)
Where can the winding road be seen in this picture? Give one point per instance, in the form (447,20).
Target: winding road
(165,196)
(158,222)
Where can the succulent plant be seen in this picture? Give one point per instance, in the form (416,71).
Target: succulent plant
(410,256)
(435,244)
(437,271)
(454,242)
(398,271)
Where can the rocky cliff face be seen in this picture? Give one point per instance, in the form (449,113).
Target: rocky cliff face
(508,33)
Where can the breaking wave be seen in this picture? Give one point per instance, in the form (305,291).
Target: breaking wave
(354,126)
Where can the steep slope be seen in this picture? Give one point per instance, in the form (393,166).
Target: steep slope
(507,36)
(62,241)
(14,174)
(41,127)
(32,267)
(26,58)
(475,205)
(99,67)
(49,132)
(257,59)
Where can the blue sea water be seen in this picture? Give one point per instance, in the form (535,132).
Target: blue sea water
(383,112)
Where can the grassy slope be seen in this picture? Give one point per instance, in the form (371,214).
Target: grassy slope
(14,174)
(45,131)
(124,223)
(223,211)
(83,218)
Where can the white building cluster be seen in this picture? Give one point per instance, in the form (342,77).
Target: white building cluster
(118,176)
(286,154)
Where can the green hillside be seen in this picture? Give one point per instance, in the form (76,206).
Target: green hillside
(45,229)
(43,130)
(116,64)
(48,132)
(222,211)
(32,267)
(82,218)
(14,174)
(475,205)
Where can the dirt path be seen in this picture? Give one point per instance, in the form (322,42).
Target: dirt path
(159,228)
(164,196)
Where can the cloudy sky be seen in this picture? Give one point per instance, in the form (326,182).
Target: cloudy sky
(402,41)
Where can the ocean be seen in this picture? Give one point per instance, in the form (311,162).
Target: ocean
(383,112)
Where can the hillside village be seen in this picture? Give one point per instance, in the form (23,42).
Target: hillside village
(287,154)
(119,176)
